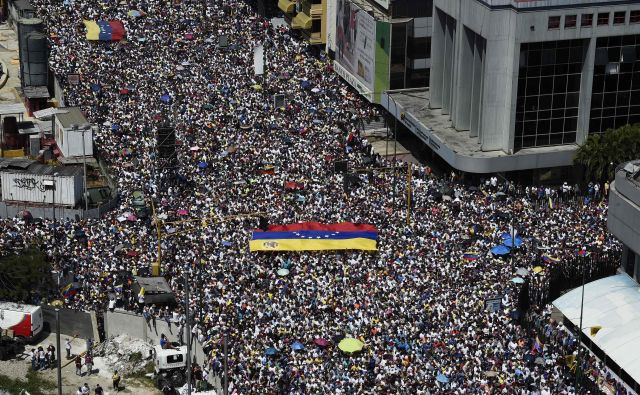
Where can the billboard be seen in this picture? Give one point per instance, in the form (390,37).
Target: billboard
(355,42)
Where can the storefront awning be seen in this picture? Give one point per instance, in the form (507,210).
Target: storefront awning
(612,313)
(301,21)
(286,6)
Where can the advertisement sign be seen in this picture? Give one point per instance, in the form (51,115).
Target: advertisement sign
(355,42)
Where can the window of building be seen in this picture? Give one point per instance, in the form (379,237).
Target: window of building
(619,17)
(634,16)
(554,22)
(603,18)
(548,95)
(586,20)
(570,21)
(615,92)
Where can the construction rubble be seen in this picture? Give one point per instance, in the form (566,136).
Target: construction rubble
(125,354)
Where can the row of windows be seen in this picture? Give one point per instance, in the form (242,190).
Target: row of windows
(558,83)
(546,127)
(586,20)
(544,140)
(601,125)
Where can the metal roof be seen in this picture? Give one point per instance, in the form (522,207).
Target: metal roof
(15,163)
(36,92)
(73,116)
(32,167)
(12,108)
(47,112)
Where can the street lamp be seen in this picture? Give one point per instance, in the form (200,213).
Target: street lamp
(58,357)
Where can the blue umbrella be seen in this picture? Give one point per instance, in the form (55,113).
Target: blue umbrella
(500,250)
(509,242)
(402,346)
(442,378)
(270,351)
(305,84)
(165,98)
(96,87)
(297,346)
(226,243)
(517,280)
(203,165)
(115,126)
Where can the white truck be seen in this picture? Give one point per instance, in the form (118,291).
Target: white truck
(170,365)
(25,321)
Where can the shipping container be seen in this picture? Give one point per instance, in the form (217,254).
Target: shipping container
(31,185)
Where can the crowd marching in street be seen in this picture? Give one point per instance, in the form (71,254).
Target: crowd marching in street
(418,304)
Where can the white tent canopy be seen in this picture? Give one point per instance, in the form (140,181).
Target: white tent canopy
(612,303)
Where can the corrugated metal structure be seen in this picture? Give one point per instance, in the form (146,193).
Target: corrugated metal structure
(68,133)
(26,181)
(34,59)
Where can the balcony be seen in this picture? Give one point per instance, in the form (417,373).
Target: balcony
(316,11)
(314,38)
(301,21)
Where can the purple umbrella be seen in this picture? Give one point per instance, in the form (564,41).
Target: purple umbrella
(321,342)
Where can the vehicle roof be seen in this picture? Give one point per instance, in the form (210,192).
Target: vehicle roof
(23,308)
(170,351)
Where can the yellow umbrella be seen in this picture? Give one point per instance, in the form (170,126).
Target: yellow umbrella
(537,269)
(349,344)
(57,302)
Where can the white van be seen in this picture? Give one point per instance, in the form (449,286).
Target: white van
(24,320)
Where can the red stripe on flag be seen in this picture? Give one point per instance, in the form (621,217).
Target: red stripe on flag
(117,30)
(340,227)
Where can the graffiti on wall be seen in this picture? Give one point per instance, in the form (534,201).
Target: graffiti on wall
(28,184)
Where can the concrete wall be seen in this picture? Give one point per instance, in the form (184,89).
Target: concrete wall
(624,211)
(12,209)
(134,325)
(72,322)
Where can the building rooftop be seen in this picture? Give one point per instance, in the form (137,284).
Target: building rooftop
(434,128)
(72,116)
(524,4)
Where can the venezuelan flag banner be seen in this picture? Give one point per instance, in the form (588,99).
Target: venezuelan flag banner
(314,236)
(550,259)
(104,30)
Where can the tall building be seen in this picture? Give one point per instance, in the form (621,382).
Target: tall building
(519,84)
(380,45)
(623,218)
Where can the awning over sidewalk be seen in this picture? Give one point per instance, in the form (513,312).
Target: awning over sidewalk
(286,6)
(612,303)
(301,21)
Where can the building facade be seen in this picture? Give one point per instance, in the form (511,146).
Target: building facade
(380,45)
(623,218)
(519,84)
(307,16)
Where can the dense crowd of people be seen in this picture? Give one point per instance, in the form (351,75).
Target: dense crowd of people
(417,304)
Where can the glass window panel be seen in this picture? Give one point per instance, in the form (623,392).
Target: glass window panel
(557,125)
(529,128)
(615,41)
(531,104)
(594,125)
(573,83)
(633,119)
(534,58)
(602,56)
(570,21)
(575,56)
(635,110)
(609,112)
(603,18)
(596,100)
(559,100)
(622,101)
(544,126)
(562,68)
(531,116)
(518,129)
(533,86)
(555,138)
(545,102)
(619,17)
(635,98)
(586,20)
(574,68)
(569,138)
(573,99)
(554,22)
(613,54)
(560,83)
(635,81)
(634,16)
(621,121)
(562,56)
(628,54)
(571,124)
(608,123)
(542,139)
(529,141)
(611,83)
(571,112)
(557,113)
(544,114)
(548,56)
(546,85)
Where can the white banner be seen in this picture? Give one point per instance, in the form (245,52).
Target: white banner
(258,60)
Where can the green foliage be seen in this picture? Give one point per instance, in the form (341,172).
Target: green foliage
(34,383)
(22,274)
(601,153)
(135,357)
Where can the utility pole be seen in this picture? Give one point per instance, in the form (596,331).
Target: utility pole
(58,352)
(84,166)
(579,363)
(409,193)
(226,365)
(187,329)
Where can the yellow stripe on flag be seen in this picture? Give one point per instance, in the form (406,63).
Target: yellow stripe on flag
(93,31)
(359,243)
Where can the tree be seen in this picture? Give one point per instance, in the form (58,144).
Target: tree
(21,275)
(601,153)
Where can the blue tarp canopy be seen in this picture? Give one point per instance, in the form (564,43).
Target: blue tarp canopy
(500,250)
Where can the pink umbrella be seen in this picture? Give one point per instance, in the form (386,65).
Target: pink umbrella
(132,218)
(132,253)
(188,36)
(195,148)
(321,342)
(183,212)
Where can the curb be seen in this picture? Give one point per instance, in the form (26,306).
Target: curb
(5,75)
